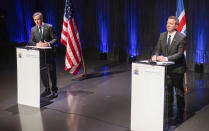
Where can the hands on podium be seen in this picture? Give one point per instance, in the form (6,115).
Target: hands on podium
(159,58)
(43,44)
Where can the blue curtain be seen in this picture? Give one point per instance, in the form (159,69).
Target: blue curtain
(132,26)
(197,19)
(132,23)
(103,18)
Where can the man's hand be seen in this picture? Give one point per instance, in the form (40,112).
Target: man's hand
(39,44)
(45,44)
(161,58)
(42,44)
(154,58)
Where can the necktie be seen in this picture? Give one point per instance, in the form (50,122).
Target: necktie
(41,34)
(169,41)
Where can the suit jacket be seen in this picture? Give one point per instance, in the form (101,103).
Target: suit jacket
(49,35)
(174,53)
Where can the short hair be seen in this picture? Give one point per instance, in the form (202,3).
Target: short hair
(175,18)
(39,14)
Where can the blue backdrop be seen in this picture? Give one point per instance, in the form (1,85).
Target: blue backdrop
(132,26)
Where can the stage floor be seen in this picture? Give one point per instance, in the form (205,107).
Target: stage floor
(99,103)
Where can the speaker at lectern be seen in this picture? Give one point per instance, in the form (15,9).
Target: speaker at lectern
(28,75)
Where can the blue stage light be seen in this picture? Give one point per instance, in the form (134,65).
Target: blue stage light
(200,40)
(105,70)
(103,24)
(132,23)
(133,48)
(103,32)
(20,35)
(132,58)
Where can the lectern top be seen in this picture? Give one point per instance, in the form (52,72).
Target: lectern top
(158,63)
(34,47)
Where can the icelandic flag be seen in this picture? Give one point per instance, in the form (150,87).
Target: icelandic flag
(180,13)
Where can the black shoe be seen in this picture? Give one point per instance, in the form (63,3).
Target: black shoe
(54,95)
(177,121)
(45,93)
(170,121)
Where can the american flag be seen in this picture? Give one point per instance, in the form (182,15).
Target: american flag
(71,40)
(180,12)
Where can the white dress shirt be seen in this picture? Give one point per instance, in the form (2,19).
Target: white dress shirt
(42,28)
(172,36)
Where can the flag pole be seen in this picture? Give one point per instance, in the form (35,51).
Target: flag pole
(84,67)
(185,83)
(84,70)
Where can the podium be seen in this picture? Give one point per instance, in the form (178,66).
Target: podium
(28,76)
(148,96)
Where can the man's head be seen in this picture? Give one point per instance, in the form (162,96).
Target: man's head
(172,24)
(38,18)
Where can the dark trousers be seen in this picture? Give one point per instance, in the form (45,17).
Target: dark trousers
(175,81)
(48,68)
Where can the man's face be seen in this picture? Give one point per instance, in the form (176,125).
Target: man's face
(37,19)
(171,25)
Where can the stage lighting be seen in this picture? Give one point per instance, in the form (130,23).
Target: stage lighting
(132,58)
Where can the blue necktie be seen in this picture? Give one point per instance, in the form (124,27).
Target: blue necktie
(169,41)
(41,34)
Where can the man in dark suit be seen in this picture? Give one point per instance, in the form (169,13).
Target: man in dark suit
(43,35)
(170,47)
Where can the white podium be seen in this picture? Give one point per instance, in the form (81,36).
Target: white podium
(147,96)
(28,77)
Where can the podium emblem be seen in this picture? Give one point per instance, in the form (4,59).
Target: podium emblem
(136,71)
(19,55)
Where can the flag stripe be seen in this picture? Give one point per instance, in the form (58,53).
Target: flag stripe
(65,22)
(71,45)
(76,39)
(181,16)
(70,52)
(77,31)
(182,19)
(184,29)
(75,42)
(77,69)
(69,60)
(77,35)
(181,24)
